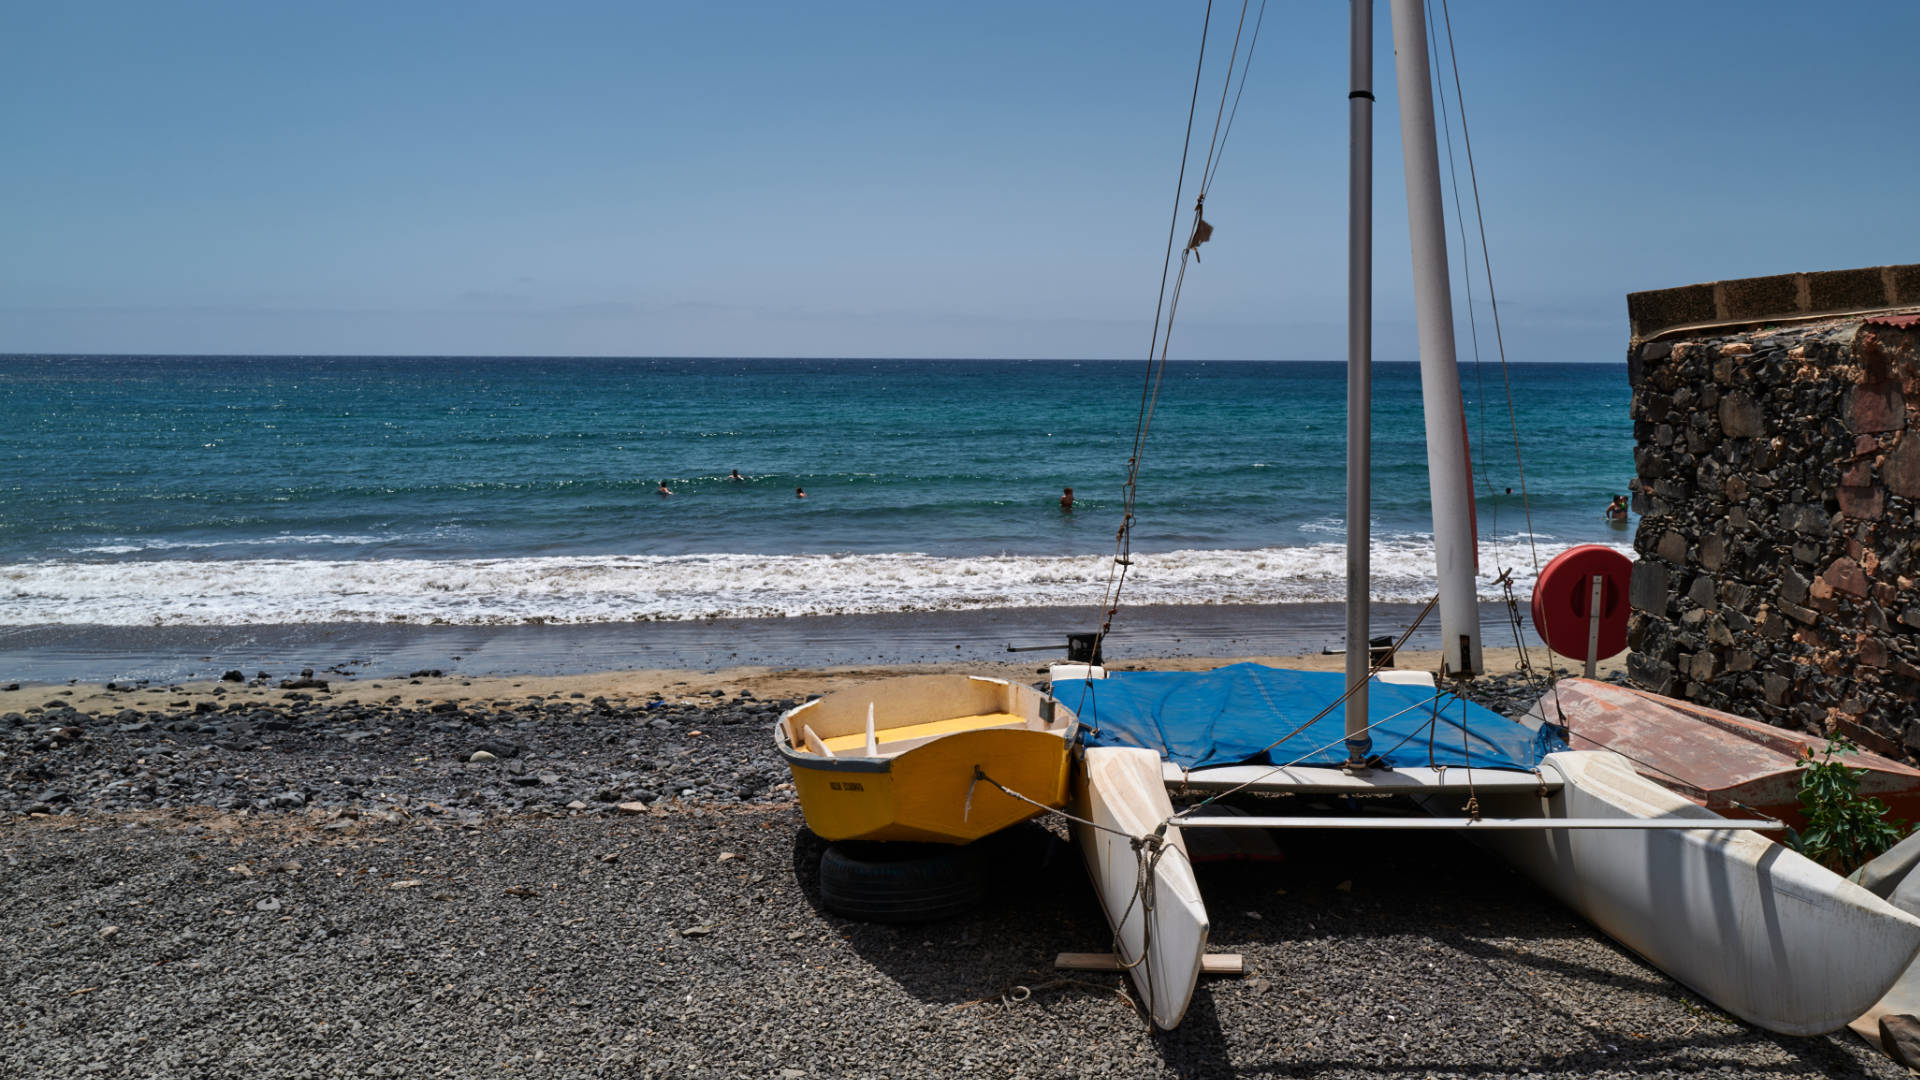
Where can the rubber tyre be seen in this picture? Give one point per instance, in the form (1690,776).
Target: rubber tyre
(898,883)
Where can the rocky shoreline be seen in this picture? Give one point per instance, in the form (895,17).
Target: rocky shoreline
(285,746)
(463,760)
(269,882)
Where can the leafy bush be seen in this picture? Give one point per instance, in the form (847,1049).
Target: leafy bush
(1844,828)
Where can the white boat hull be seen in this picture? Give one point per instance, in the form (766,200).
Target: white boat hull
(1159,931)
(1751,925)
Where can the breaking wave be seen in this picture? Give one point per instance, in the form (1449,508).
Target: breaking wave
(637,588)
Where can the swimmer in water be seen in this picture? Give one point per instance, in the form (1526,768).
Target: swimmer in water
(1066,499)
(663,489)
(736,475)
(799,493)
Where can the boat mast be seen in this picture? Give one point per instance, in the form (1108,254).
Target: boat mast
(1449,480)
(1359,375)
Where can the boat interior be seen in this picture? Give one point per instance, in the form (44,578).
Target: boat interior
(890,719)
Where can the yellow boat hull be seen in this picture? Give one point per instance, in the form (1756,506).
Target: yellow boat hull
(928,792)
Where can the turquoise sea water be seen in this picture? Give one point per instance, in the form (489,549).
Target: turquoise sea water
(143,491)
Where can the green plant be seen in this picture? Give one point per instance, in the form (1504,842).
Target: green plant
(1844,828)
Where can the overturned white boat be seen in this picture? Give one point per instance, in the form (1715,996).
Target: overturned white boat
(1763,932)
(1143,876)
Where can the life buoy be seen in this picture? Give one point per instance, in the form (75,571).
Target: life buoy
(1563,596)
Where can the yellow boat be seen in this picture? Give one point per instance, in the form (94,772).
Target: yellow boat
(897,759)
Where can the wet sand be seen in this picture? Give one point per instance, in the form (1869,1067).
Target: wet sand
(175,654)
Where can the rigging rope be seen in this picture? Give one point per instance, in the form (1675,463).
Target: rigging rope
(1169,300)
(1150,390)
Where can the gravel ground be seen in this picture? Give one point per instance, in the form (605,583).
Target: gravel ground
(430,916)
(300,752)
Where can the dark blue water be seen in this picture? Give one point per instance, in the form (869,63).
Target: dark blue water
(192,489)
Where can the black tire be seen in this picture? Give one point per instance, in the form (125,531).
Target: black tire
(899,883)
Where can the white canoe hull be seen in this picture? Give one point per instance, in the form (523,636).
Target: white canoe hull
(1162,934)
(1751,925)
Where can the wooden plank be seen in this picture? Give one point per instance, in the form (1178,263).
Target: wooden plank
(1223,963)
(1210,964)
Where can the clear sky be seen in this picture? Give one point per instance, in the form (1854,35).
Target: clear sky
(894,179)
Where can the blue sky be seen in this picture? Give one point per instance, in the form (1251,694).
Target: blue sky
(889,179)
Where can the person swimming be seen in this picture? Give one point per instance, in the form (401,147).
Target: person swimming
(735,475)
(1617,509)
(664,489)
(799,493)
(1066,499)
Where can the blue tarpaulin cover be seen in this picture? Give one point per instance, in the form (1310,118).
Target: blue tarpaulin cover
(1229,715)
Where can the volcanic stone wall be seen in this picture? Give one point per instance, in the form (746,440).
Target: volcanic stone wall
(1778,569)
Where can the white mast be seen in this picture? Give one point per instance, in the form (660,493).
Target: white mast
(1359,374)
(1449,479)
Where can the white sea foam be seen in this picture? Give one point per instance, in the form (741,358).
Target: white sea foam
(614,588)
(131,547)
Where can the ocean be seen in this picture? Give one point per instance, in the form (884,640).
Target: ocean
(225,492)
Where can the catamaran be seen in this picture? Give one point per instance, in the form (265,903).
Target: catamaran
(1754,927)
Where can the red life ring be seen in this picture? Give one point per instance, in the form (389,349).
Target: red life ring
(1564,592)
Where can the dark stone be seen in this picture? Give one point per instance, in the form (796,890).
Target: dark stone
(234,676)
(1735,595)
(1846,576)
(1650,674)
(1872,652)
(1901,469)
(1865,503)
(1702,592)
(1647,588)
(1900,1038)
(1741,417)
(1874,407)
(1798,613)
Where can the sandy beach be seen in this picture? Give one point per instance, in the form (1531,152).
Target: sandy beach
(643,684)
(254,881)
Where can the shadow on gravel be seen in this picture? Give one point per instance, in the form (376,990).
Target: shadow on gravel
(1197,1048)
(1038,905)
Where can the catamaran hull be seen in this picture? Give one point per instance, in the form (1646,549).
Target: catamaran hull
(1752,926)
(1158,920)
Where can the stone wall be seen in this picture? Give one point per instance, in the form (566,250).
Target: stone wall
(1778,569)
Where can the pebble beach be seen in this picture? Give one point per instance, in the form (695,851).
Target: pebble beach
(607,875)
